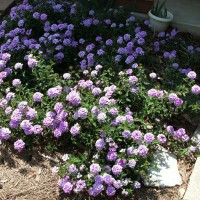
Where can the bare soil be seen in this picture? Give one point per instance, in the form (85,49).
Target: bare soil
(21,179)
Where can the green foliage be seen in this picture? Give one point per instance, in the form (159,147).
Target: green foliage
(159,9)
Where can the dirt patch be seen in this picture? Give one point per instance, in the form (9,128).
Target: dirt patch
(29,176)
(21,179)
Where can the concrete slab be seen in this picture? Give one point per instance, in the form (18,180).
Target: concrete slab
(186,15)
(193,190)
(4,4)
(185,11)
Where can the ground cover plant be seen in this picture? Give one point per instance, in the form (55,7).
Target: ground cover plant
(98,85)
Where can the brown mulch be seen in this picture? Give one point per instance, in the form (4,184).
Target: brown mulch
(21,179)
(29,177)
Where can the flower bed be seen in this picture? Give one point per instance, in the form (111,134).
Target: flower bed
(100,86)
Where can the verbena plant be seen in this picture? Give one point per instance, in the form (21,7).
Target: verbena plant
(113,100)
(159,9)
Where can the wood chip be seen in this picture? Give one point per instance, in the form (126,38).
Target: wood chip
(48,157)
(16,184)
(4,181)
(32,175)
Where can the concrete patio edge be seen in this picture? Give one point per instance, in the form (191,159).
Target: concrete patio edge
(5,6)
(193,189)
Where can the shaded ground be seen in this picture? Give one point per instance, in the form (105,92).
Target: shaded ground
(25,178)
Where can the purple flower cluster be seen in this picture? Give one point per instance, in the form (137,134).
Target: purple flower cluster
(149,138)
(6,71)
(162,138)
(57,121)
(55,91)
(175,99)
(19,145)
(16,82)
(195,89)
(37,97)
(169,55)
(117,169)
(74,98)
(179,134)
(142,150)
(155,93)
(100,144)
(95,168)
(32,62)
(192,75)
(4,133)
(101,117)
(75,129)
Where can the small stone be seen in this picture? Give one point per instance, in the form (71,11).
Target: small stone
(166,173)
(149,127)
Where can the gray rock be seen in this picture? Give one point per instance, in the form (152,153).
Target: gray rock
(166,173)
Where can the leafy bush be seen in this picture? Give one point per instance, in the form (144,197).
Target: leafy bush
(159,9)
(99,85)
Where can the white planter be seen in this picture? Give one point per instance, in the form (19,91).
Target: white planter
(160,24)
